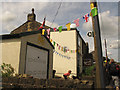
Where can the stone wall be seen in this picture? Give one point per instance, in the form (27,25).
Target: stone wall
(15,82)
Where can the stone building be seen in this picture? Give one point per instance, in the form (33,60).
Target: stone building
(27,50)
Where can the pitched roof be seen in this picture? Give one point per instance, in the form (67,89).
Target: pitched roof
(30,23)
(24,27)
(19,35)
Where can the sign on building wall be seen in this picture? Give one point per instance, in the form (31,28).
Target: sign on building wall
(36,62)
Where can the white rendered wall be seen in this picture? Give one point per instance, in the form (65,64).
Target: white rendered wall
(62,64)
(11,52)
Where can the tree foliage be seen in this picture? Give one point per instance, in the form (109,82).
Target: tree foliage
(6,70)
(89,71)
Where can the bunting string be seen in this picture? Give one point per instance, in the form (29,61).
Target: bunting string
(94,12)
(61,55)
(62,48)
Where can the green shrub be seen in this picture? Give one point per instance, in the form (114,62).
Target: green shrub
(6,70)
(89,71)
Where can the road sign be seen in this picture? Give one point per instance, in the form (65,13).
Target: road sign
(90,34)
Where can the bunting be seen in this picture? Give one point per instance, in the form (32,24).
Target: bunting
(63,56)
(51,40)
(62,48)
(43,25)
(91,6)
(94,11)
(76,22)
(60,29)
(43,31)
(54,43)
(54,29)
(68,26)
(48,31)
(86,17)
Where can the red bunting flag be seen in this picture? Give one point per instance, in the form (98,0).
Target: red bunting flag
(43,25)
(54,29)
(76,22)
(59,48)
(86,17)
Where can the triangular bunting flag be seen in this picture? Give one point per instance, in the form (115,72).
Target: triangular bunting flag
(94,12)
(43,25)
(60,29)
(54,29)
(76,22)
(68,26)
(91,6)
(54,43)
(86,17)
(51,40)
(48,31)
(43,31)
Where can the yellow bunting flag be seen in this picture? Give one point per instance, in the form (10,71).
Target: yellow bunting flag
(43,31)
(68,26)
(51,40)
(91,6)
(75,51)
(62,49)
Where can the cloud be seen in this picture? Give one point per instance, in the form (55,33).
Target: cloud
(115,44)
(7,16)
(109,53)
(9,27)
(15,13)
(50,24)
(108,24)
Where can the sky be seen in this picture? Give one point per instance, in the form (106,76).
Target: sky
(14,13)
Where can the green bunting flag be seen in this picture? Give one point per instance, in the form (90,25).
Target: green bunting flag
(64,50)
(60,29)
(94,11)
(54,43)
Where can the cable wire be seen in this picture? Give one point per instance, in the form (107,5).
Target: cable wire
(56,14)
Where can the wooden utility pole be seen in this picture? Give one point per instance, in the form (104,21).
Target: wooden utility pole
(106,49)
(98,49)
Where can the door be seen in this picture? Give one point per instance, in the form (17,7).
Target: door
(37,61)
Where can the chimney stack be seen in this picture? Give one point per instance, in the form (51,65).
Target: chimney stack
(31,17)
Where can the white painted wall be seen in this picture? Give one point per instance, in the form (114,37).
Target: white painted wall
(61,64)
(11,52)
